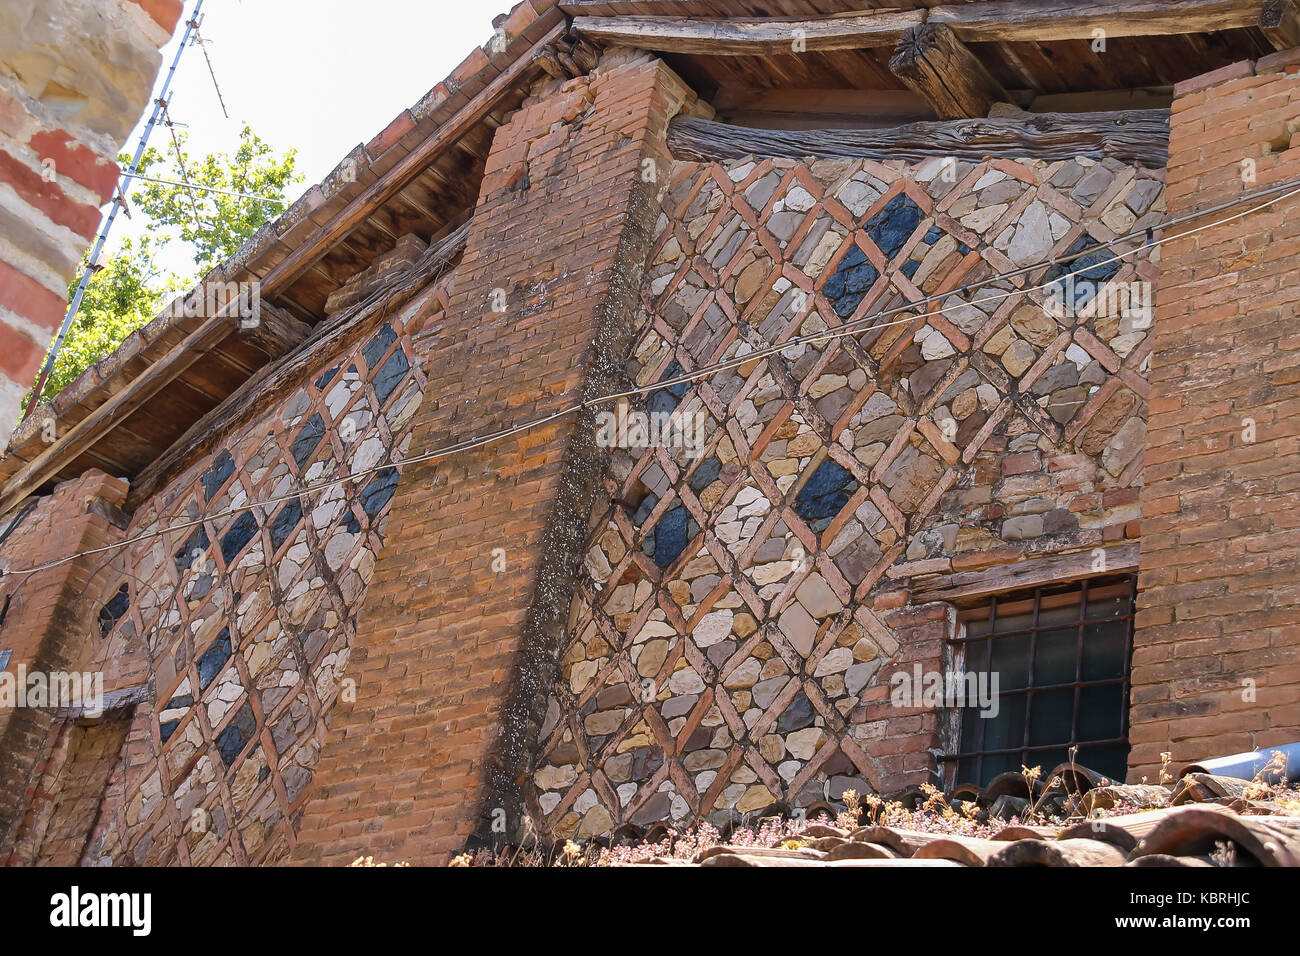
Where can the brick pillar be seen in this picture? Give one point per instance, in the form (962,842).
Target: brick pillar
(49,621)
(69,97)
(450,655)
(1216,660)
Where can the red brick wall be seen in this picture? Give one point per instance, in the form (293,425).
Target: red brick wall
(450,655)
(1216,662)
(58,154)
(49,615)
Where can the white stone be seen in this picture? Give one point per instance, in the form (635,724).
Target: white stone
(837,660)
(713,627)
(803,743)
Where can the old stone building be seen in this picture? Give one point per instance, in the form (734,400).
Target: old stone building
(977,328)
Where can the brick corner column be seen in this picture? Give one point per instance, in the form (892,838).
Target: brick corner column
(452,652)
(48,622)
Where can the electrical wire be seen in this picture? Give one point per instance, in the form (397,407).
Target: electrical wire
(816,338)
(206,189)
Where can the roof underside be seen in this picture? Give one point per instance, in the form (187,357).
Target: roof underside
(422,173)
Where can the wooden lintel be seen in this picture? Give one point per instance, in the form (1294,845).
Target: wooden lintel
(728,37)
(1280,23)
(1025,574)
(934,63)
(1129,136)
(993,21)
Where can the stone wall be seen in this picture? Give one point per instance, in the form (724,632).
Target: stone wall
(229,638)
(75,76)
(1217,655)
(741,611)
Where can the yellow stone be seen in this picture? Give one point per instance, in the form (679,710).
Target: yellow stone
(755,798)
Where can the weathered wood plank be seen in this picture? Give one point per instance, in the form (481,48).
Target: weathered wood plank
(993,22)
(98,423)
(276,332)
(1045,20)
(1023,574)
(750,37)
(1280,22)
(1133,136)
(934,63)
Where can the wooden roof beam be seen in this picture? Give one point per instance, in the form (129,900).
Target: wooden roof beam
(934,63)
(1280,23)
(994,21)
(1045,20)
(736,37)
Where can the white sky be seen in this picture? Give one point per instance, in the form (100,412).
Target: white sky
(318,75)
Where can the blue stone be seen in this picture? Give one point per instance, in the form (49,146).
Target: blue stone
(706,474)
(892,226)
(354,526)
(664,401)
(222,468)
(910,267)
(855,256)
(845,305)
(378,345)
(240,533)
(861,277)
(1093,266)
(825,494)
(308,439)
(327,376)
(673,370)
(932,235)
(671,535)
(834,287)
(391,375)
(185,556)
(213,659)
(963,248)
(643,510)
(166,730)
(232,740)
(798,715)
(112,612)
(284,523)
(379,492)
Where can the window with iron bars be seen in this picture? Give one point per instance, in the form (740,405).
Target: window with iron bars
(1061,655)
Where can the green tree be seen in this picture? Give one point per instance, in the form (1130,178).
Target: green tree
(130,287)
(242,191)
(125,293)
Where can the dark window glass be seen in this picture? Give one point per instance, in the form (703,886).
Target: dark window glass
(1061,654)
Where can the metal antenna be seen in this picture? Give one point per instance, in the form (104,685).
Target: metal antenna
(203,45)
(118,202)
(180,163)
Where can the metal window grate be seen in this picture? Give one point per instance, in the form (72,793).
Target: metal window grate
(1062,657)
